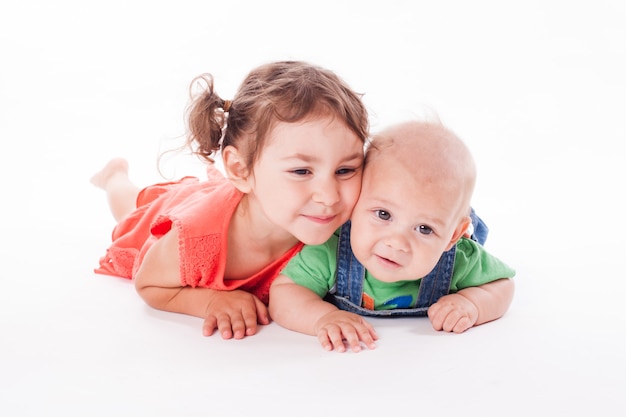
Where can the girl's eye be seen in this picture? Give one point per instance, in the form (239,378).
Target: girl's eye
(383,215)
(302,171)
(425,230)
(346,171)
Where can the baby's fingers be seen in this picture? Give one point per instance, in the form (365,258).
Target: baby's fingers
(449,320)
(367,335)
(336,337)
(331,338)
(352,338)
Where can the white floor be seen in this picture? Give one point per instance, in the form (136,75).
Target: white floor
(536,89)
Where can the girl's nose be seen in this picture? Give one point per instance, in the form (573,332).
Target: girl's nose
(327,193)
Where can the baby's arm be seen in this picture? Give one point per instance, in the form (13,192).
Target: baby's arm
(298,308)
(472,306)
(232,313)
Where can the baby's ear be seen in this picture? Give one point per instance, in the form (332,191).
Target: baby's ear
(463,227)
(236,168)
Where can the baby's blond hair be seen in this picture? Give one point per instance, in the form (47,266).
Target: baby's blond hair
(431,153)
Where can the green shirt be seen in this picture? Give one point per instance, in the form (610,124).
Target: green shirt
(315,267)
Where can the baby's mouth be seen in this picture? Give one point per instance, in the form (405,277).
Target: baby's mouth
(386,262)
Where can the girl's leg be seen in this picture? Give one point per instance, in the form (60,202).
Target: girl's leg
(121,192)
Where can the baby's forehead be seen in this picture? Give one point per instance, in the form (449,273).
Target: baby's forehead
(413,157)
(416,169)
(422,146)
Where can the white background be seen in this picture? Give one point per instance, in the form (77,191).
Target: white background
(536,88)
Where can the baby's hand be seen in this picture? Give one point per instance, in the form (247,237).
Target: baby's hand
(234,314)
(338,326)
(453,313)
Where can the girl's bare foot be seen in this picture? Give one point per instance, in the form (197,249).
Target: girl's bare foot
(114,167)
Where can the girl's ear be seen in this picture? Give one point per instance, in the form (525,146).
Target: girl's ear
(459,231)
(236,169)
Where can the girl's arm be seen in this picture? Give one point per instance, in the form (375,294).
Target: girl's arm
(472,306)
(233,313)
(298,308)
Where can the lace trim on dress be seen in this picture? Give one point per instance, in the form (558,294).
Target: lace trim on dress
(199,266)
(121,261)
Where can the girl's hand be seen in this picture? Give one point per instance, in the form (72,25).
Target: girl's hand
(339,328)
(234,314)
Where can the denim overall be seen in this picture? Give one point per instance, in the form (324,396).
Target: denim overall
(347,292)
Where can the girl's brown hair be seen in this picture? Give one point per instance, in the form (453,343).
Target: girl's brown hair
(285,91)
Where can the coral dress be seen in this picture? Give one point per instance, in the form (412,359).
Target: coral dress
(201,212)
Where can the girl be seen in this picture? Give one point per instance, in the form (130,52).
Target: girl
(291,142)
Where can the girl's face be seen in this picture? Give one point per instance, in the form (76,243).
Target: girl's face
(308,178)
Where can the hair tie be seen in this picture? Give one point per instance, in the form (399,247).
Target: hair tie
(226,106)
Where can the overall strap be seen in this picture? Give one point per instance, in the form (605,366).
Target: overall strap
(436,283)
(350,272)
(480,229)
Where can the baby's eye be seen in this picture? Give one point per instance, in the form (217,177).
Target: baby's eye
(383,215)
(425,230)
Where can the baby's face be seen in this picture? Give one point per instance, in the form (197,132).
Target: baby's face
(402,223)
